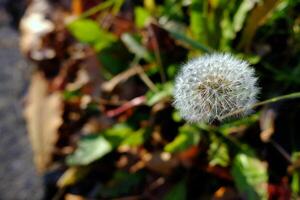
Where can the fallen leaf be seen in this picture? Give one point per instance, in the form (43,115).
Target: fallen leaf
(267,124)
(43,113)
(74,197)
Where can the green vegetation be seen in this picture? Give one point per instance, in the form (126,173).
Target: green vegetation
(140,147)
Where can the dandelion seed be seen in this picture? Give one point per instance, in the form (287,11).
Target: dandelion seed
(209,87)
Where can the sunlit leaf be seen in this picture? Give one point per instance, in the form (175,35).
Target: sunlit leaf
(295,184)
(90,149)
(141,16)
(117,6)
(176,116)
(135,47)
(245,122)
(250,177)
(188,136)
(150,4)
(88,31)
(134,139)
(164,91)
(218,152)
(241,14)
(117,134)
(197,21)
(72,176)
(231,25)
(68,94)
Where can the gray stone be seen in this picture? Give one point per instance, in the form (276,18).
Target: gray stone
(18,178)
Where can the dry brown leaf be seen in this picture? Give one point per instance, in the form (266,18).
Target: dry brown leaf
(34,25)
(224,193)
(77,7)
(256,19)
(267,124)
(71,176)
(73,197)
(43,113)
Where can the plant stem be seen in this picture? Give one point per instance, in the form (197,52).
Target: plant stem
(272,100)
(99,7)
(281,150)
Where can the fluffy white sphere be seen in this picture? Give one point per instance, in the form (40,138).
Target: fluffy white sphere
(214,85)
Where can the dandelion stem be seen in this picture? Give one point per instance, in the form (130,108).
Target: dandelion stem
(272,100)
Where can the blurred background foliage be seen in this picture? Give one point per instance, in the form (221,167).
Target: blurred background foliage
(118,135)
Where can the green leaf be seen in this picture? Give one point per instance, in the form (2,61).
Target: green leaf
(88,31)
(198,20)
(218,152)
(188,136)
(141,16)
(68,94)
(134,139)
(114,59)
(123,134)
(135,47)
(233,24)
(246,121)
(117,134)
(90,149)
(189,41)
(72,175)
(241,14)
(176,116)
(295,184)
(121,184)
(172,10)
(250,176)
(178,192)
(164,91)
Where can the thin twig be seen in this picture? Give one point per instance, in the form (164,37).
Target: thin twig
(123,76)
(126,106)
(157,183)
(143,76)
(108,102)
(281,150)
(272,100)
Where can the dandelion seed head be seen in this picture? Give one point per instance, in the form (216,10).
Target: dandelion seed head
(212,86)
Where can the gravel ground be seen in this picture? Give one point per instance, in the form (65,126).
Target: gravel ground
(18,179)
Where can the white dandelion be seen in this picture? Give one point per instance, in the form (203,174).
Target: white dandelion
(212,86)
